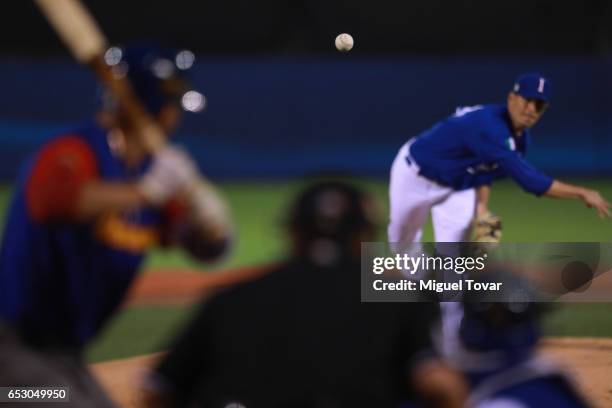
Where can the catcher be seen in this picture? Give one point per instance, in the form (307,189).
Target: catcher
(499,355)
(85,210)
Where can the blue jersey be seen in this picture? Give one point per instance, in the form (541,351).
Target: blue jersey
(61,278)
(535,382)
(474,147)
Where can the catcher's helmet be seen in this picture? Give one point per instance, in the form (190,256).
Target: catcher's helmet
(158,76)
(508,321)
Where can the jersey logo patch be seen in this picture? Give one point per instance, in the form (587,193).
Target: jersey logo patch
(463,110)
(541,85)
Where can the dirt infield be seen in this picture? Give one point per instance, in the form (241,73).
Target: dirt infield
(122,379)
(588,359)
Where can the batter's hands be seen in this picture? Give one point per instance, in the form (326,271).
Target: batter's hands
(593,199)
(170,174)
(203,226)
(208,210)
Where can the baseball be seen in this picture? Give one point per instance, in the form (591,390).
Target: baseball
(344,42)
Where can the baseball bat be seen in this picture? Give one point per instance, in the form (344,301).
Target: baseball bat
(81,34)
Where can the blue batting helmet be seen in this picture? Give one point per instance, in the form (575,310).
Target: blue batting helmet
(158,76)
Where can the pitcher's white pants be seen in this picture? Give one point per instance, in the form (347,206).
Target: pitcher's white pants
(412,198)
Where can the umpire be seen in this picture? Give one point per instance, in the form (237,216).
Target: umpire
(299,336)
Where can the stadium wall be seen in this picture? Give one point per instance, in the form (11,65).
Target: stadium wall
(278,117)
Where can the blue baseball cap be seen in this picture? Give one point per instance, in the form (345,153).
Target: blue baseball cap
(533,86)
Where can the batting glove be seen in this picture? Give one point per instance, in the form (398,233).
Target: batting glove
(208,209)
(170,174)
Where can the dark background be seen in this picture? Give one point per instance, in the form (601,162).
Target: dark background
(282,102)
(306,26)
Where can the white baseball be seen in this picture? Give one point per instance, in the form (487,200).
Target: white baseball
(344,42)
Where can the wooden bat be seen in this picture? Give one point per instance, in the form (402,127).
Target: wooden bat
(85,40)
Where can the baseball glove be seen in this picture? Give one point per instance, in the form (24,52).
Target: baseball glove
(487,230)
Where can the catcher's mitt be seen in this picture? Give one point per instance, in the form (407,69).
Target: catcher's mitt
(486,230)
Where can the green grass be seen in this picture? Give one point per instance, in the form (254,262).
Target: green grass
(579,319)
(259,210)
(138,330)
(5,193)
